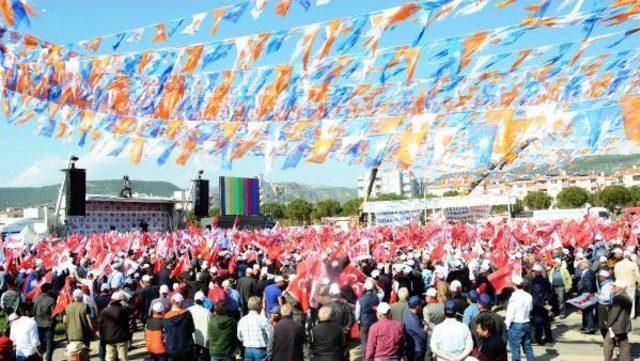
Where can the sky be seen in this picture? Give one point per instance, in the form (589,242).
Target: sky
(27,159)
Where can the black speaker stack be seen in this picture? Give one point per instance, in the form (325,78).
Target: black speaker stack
(201,201)
(76,191)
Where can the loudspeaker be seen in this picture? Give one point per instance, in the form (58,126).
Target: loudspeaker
(201,201)
(76,192)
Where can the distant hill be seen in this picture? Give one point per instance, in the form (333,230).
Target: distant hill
(35,196)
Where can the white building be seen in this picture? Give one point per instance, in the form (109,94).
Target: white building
(398,182)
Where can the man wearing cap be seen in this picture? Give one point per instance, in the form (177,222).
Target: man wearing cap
(163,298)
(587,284)
(366,310)
(148,293)
(154,334)
(518,321)
(541,293)
(485,306)
(234,308)
(77,320)
(399,308)
(483,283)
(628,272)
(415,335)
(455,290)
(201,317)
(605,299)
(619,322)
(451,339)
(114,328)
(341,312)
(472,309)
(272,294)
(385,339)
(560,281)
(178,329)
(288,337)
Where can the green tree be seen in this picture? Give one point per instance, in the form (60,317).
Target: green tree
(351,207)
(614,196)
(517,207)
(635,194)
(273,209)
(388,197)
(572,197)
(299,211)
(214,212)
(537,200)
(326,208)
(453,193)
(502,208)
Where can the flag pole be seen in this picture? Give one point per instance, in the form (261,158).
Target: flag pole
(372,178)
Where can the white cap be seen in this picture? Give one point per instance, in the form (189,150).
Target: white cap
(617,250)
(249,271)
(620,284)
(119,296)
(105,287)
(164,290)
(557,260)
(537,267)
(375,273)
(177,298)
(517,280)
(12,317)
(157,307)
(517,255)
(226,283)
(406,268)
(455,286)
(368,284)
(77,294)
(334,290)
(199,296)
(602,259)
(380,266)
(431,292)
(146,278)
(604,273)
(383,308)
(213,269)
(278,279)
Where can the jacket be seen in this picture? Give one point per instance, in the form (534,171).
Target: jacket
(627,271)
(367,314)
(222,332)
(288,339)
(154,336)
(328,343)
(178,329)
(564,274)
(398,310)
(341,314)
(114,324)
(414,335)
(587,282)
(619,314)
(540,291)
(385,340)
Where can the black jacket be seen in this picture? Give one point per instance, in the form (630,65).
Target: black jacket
(288,339)
(619,319)
(327,342)
(342,314)
(246,288)
(587,283)
(114,324)
(148,294)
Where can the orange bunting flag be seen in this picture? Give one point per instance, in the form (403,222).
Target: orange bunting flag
(192,55)
(283,6)
(218,95)
(410,142)
(30,42)
(145,59)
(161,33)
(94,44)
(229,130)
(250,49)
(136,149)
(505,3)
(522,56)
(331,30)
(118,91)
(7,12)
(631,117)
(272,92)
(172,93)
(321,149)
(471,45)
(185,153)
(174,129)
(217,17)
(255,130)
(386,125)
(400,14)
(306,43)
(125,125)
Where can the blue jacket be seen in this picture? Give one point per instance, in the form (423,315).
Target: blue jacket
(178,329)
(367,314)
(414,335)
(587,283)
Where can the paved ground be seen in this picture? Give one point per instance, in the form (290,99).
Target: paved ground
(570,345)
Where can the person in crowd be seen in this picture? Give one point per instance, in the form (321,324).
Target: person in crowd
(365,312)
(441,285)
(103,297)
(24,335)
(432,314)
(414,331)
(222,333)
(10,299)
(385,340)
(178,329)
(605,299)
(628,272)
(455,294)
(517,320)
(148,293)
(560,282)
(114,328)
(201,317)
(486,305)
(288,337)
(472,309)
(232,298)
(341,312)
(154,334)
(483,283)
(43,305)
(6,345)
(492,347)
(451,339)
(77,320)
(328,341)
(163,298)
(254,332)
(541,293)
(273,294)
(399,308)
(587,284)
(619,323)
(247,287)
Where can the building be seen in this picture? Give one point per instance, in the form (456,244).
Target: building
(403,183)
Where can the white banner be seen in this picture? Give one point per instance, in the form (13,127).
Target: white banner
(398,218)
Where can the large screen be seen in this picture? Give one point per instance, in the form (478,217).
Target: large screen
(239,196)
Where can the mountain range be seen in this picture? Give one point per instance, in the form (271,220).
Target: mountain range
(20,197)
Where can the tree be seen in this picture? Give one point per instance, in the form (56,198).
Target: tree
(214,212)
(614,196)
(388,197)
(298,210)
(572,197)
(326,208)
(273,209)
(635,194)
(517,207)
(537,200)
(502,208)
(351,207)
(453,193)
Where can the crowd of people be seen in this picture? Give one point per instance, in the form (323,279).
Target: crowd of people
(215,303)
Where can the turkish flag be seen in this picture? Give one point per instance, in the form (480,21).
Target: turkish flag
(299,289)
(37,290)
(183,265)
(64,298)
(350,275)
(501,278)
(157,265)
(438,251)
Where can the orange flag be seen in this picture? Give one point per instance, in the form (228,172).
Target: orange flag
(136,149)
(219,93)
(161,33)
(273,91)
(172,93)
(631,117)
(7,12)
(471,45)
(217,17)
(282,8)
(332,29)
(192,55)
(185,154)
